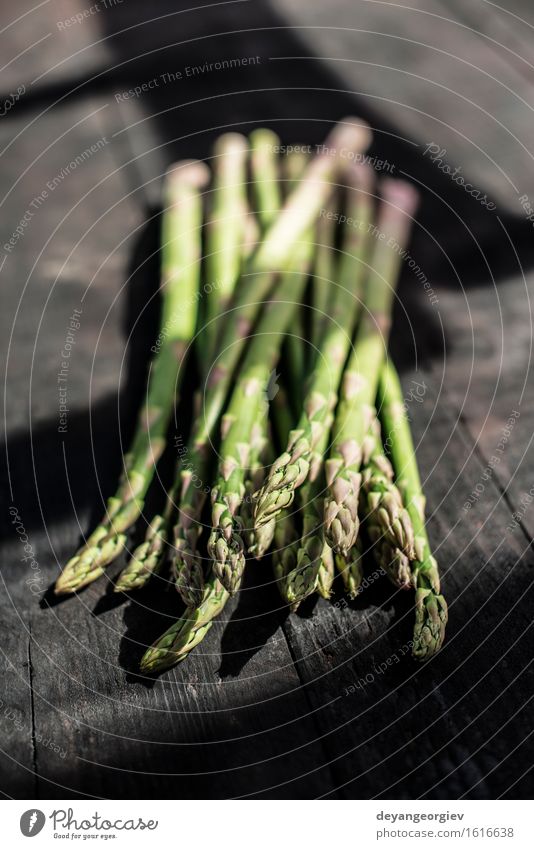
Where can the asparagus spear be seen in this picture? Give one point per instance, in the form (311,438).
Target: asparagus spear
(264,166)
(247,407)
(286,546)
(180,262)
(265,533)
(294,350)
(187,632)
(293,168)
(301,581)
(386,519)
(430,605)
(360,379)
(323,277)
(298,213)
(251,233)
(260,539)
(268,199)
(291,469)
(259,451)
(312,562)
(147,558)
(225,232)
(228,240)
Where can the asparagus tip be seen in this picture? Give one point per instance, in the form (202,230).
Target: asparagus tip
(191,172)
(230,143)
(228,557)
(353,133)
(154,661)
(401,194)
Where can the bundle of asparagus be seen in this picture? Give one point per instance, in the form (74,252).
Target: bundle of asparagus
(253,239)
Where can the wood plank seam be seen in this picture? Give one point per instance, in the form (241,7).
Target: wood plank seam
(312,714)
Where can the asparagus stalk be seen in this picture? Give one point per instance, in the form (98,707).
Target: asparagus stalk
(294,350)
(283,419)
(180,264)
(360,379)
(251,233)
(298,213)
(323,280)
(313,566)
(259,451)
(187,632)
(430,606)
(260,539)
(225,231)
(268,199)
(148,557)
(247,406)
(387,521)
(324,272)
(291,469)
(265,533)
(293,168)
(228,240)
(265,183)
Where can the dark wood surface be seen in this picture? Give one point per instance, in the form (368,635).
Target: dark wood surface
(268,705)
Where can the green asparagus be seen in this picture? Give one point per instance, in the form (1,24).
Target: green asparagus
(291,469)
(430,606)
(299,211)
(179,288)
(187,632)
(228,243)
(226,233)
(301,581)
(361,375)
(265,182)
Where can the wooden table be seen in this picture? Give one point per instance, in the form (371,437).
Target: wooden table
(326,702)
